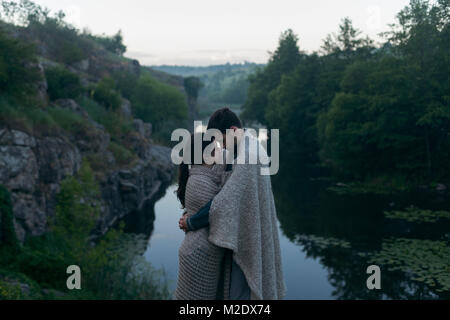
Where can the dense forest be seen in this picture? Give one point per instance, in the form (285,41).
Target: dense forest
(360,111)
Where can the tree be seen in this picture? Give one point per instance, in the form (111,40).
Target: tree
(293,108)
(374,125)
(22,12)
(361,111)
(347,42)
(62,84)
(113,43)
(156,102)
(422,37)
(105,94)
(192,85)
(281,62)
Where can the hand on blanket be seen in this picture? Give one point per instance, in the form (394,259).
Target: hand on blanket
(183,224)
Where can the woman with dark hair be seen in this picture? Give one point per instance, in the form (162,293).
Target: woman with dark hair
(203,270)
(242,219)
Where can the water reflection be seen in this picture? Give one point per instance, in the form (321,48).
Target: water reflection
(349,233)
(305,276)
(329,240)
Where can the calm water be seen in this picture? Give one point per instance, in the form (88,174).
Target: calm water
(306,277)
(329,240)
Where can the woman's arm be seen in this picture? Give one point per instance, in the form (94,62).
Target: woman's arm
(200,220)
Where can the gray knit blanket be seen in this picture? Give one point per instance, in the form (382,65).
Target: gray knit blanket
(204,269)
(243,219)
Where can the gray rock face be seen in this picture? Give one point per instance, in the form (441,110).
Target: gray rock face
(41,85)
(71,105)
(131,191)
(32,169)
(93,140)
(125,108)
(144,129)
(82,65)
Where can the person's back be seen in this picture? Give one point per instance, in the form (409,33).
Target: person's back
(200,262)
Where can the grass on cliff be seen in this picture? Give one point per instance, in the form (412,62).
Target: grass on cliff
(23,107)
(113,121)
(57,121)
(112,268)
(40,121)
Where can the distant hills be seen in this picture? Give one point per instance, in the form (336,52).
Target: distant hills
(225,84)
(199,71)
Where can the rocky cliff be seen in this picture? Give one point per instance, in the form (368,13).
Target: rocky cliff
(130,168)
(32,168)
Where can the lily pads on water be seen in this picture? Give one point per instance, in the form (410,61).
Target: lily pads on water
(324,243)
(413,214)
(427,261)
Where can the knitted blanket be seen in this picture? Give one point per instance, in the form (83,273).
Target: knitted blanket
(243,219)
(204,269)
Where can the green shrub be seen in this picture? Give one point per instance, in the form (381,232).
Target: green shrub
(114,268)
(10,116)
(115,124)
(122,155)
(30,119)
(43,265)
(67,120)
(9,291)
(62,84)
(105,94)
(110,267)
(113,44)
(156,102)
(117,269)
(17,286)
(125,83)
(63,42)
(18,73)
(46,258)
(76,211)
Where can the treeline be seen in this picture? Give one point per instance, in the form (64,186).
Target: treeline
(65,42)
(371,113)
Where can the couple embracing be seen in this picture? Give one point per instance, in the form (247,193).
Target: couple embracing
(231,249)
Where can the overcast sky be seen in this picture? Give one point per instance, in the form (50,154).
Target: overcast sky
(205,32)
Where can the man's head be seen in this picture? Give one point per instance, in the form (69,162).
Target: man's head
(223,120)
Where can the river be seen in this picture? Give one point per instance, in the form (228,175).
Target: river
(328,240)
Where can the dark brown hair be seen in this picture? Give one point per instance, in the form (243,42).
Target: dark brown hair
(224,119)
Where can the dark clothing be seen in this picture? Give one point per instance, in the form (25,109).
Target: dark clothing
(239,289)
(199,220)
